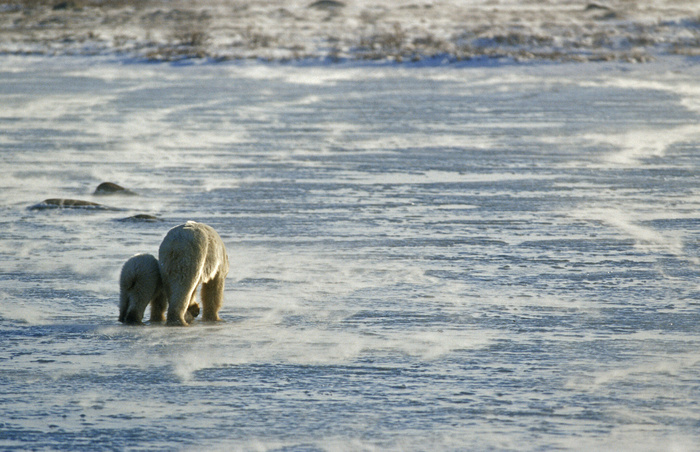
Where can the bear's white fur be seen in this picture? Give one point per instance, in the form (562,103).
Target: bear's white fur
(192,254)
(140,284)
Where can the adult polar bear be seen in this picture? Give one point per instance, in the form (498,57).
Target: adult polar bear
(192,254)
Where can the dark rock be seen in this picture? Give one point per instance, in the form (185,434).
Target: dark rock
(327,4)
(61,203)
(597,7)
(110,188)
(64,5)
(141,218)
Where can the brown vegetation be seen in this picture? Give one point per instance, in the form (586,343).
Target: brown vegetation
(360,29)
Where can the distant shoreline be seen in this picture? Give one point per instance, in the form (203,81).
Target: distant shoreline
(333,31)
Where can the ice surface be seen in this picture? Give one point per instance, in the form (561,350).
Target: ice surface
(479,258)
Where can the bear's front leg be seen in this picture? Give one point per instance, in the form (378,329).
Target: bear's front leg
(175,320)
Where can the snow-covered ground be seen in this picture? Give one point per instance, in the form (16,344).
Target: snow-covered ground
(467,253)
(439,258)
(403,30)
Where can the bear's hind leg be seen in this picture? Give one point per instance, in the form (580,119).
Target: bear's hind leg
(213,298)
(179,301)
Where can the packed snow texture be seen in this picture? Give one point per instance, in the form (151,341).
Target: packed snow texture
(438,258)
(402,30)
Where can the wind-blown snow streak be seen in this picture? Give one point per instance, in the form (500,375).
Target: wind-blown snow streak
(421,258)
(634,147)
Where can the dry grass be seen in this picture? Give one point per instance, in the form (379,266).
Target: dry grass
(74,4)
(255,38)
(186,43)
(191,38)
(384,43)
(379,29)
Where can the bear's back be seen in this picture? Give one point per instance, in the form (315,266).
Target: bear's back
(193,245)
(141,271)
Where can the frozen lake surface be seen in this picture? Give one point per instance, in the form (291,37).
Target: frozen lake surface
(475,258)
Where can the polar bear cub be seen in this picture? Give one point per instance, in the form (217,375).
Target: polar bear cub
(192,254)
(140,284)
